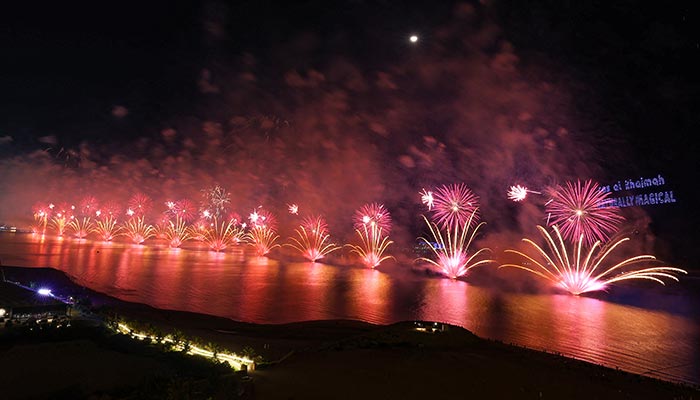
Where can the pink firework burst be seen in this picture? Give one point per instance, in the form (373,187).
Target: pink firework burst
(140,204)
(582,209)
(373,245)
(373,214)
(313,244)
(315,224)
(583,268)
(452,248)
(455,204)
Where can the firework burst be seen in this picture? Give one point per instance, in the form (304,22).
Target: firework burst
(263,239)
(140,204)
(42,213)
(519,193)
(81,226)
(426,197)
(222,234)
(260,217)
(452,248)
(313,244)
(177,232)
(199,229)
(373,214)
(62,216)
(88,206)
(583,209)
(162,225)
(315,224)
(293,209)
(577,275)
(138,230)
(109,208)
(454,204)
(216,199)
(373,245)
(106,228)
(185,209)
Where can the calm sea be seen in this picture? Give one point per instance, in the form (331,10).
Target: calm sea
(643,328)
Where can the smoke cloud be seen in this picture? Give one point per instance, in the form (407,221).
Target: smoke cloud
(338,134)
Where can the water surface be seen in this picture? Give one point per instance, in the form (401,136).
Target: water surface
(642,330)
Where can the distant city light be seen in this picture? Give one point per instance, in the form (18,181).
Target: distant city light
(413,38)
(44,292)
(2,312)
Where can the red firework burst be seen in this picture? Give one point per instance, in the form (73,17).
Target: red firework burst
(454,205)
(315,224)
(373,214)
(140,204)
(186,210)
(110,209)
(88,206)
(582,209)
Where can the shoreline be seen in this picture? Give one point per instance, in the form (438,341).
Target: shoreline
(309,339)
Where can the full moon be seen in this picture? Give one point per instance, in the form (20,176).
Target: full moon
(413,38)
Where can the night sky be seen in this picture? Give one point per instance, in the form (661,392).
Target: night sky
(537,93)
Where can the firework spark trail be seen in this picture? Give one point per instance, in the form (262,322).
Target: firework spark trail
(177,232)
(138,230)
(106,228)
(263,239)
(63,214)
(373,214)
(452,250)
(81,227)
(313,244)
(577,275)
(454,204)
(222,234)
(583,209)
(59,224)
(373,245)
